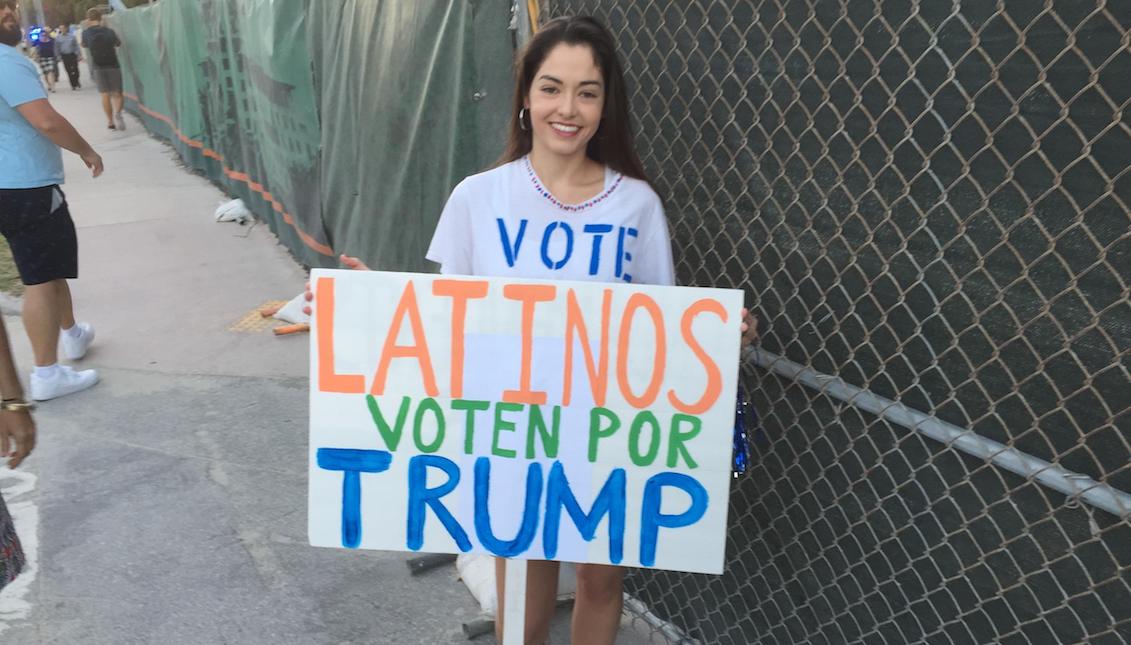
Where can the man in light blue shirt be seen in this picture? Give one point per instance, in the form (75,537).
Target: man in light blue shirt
(34,217)
(68,47)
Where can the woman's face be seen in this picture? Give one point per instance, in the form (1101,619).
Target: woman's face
(566,100)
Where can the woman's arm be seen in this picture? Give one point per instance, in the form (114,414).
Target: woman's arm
(17,428)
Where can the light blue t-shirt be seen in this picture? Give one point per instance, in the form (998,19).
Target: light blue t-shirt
(67,43)
(27,158)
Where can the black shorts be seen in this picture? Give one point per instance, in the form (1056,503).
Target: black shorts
(40,233)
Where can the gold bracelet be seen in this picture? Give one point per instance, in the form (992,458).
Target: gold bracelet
(16,405)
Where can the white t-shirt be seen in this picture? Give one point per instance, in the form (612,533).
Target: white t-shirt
(503,222)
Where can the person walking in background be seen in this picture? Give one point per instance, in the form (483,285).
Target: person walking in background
(34,216)
(48,62)
(68,49)
(103,43)
(80,33)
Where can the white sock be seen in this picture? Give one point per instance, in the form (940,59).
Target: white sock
(74,332)
(46,371)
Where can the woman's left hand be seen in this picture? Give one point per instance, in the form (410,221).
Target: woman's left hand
(749,328)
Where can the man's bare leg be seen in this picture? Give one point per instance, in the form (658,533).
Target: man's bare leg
(119,120)
(107,110)
(66,308)
(41,315)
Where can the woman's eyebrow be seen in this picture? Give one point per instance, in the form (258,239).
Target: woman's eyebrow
(555,79)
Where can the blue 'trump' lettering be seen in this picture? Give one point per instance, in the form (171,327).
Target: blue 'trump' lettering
(558,497)
(651,519)
(610,501)
(419,496)
(352,463)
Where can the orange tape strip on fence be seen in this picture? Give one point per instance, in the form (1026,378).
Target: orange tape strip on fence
(238,176)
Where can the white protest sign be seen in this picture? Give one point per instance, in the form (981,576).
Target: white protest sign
(577,421)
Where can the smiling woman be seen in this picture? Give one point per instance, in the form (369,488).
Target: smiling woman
(571,100)
(565,104)
(570,165)
(571,186)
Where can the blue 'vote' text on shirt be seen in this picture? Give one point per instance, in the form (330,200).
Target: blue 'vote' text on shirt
(511,242)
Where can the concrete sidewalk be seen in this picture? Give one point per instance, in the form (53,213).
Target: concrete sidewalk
(171,498)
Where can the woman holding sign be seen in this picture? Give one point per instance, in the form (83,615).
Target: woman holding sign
(569,201)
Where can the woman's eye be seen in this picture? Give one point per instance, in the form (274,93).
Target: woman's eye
(589,95)
(549,89)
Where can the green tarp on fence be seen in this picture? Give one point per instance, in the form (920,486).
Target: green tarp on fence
(229,84)
(343,125)
(408,90)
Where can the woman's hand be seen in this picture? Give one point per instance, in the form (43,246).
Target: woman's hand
(348,262)
(749,328)
(17,436)
(352,263)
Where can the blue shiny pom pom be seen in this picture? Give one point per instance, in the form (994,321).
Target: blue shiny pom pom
(741,458)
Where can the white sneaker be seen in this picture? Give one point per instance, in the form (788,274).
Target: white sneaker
(119,121)
(63,381)
(74,347)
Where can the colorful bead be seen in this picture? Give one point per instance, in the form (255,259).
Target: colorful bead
(569,207)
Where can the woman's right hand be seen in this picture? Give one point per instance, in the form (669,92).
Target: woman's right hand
(17,436)
(352,263)
(348,262)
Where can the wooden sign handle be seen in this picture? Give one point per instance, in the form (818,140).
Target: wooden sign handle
(514,604)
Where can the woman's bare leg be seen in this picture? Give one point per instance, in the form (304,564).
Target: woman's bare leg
(541,592)
(600,597)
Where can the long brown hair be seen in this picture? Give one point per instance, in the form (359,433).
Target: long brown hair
(612,144)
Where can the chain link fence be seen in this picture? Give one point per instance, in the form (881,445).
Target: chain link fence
(927,201)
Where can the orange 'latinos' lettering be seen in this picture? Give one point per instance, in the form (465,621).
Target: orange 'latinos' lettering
(529,295)
(328,379)
(599,373)
(714,377)
(659,357)
(460,292)
(406,307)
